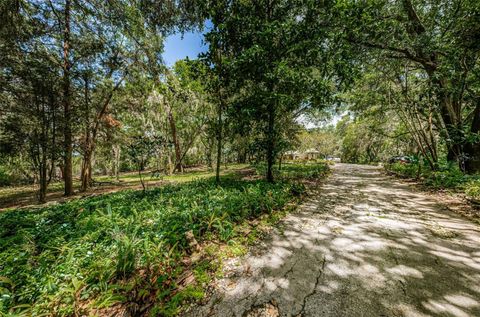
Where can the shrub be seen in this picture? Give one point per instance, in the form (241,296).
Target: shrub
(472,189)
(5,177)
(403,170)
(445,178)
(295,170)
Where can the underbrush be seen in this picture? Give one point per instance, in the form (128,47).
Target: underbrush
(296,170)
(446,177)
(127,250)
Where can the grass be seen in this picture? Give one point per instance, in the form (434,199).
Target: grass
(11,195)
(128,250)
(133,177)
(296,170)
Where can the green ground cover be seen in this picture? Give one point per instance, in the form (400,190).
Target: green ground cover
(128,248)
(292,170)
(447,177)
(12,194)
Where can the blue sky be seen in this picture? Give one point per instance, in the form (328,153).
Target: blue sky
(178,46)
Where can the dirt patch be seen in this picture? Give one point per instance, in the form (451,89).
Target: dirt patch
(265,310)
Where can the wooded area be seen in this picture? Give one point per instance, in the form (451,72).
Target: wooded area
(85,94)
(85,91)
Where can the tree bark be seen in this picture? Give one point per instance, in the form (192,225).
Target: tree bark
(472,149)
(450,113)
(43,147)
(86,173)
(270,142)
(91,134)
(86,177)
(219,140)
(169,163)
(68,146)
(209,145)
(42,193)
(178,153)
(116,161)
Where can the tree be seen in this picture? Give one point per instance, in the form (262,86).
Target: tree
(141,148)
(67,107)
(273,65)
(30,96)
(324,140)
(438,37)
(217,57)
(395,104)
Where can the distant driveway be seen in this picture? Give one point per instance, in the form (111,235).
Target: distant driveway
(364,245)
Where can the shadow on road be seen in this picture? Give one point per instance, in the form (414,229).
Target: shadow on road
(365,245)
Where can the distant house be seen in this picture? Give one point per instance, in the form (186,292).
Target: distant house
(292,155)
(309,154)
(312,154)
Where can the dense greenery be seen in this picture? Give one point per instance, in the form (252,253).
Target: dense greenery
(86,96)
(87,77)
(297,170)
(126,247)
(447,176)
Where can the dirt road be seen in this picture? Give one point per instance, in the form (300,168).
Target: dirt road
(364,245)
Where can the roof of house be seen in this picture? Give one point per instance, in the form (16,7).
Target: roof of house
(292,153)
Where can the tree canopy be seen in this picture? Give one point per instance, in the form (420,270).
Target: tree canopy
(82,79)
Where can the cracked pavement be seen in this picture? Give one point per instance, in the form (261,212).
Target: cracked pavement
(364,244)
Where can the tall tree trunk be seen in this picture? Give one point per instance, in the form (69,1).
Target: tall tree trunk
(450,112)
(178,153)
(68,147)
(116,161)
(472,149)
(86,176)
(270,141)
(42,193)
(54,136)
(219,139)
(91,132)
(169,163)
(43,148)
(210,143)
(452,130)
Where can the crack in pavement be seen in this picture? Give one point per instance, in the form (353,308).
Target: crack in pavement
(290,270)
(317,281)
(365,240)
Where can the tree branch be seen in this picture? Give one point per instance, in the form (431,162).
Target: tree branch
(418,27)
